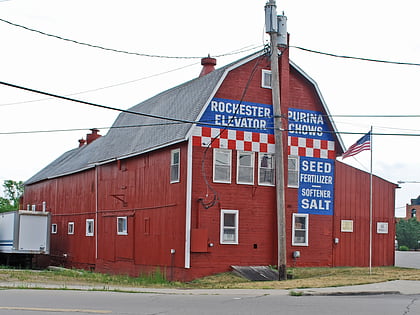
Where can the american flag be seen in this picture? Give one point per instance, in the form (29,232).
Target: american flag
(361,145)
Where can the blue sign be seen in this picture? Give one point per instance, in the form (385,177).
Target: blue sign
(308,124)
(238,115)
(316,186)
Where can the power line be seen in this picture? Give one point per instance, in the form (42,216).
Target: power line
(356,58)
(199,57)
(119,50)
(177,120)
(105,87)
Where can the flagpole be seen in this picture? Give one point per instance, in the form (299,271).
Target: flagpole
(370,203)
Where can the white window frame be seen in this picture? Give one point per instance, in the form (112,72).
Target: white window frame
(90,227)
(295,229)
(54,228)
(175,166)
(124,230)
(293,172)
(265,74)
(260,182)
(70,228)
(229,165)
(245,168)
(223,240)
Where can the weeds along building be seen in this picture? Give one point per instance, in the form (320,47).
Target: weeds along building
(195,199)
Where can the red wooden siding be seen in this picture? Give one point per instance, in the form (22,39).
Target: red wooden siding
(138,188)
(352,203)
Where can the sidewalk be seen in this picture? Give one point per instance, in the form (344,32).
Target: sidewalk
(406,287)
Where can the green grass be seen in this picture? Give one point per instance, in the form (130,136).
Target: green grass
(302,278)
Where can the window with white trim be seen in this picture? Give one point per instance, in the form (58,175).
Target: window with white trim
(90,227)
(70,228)
(266,78)
(54,228)
(245,168)
(122,226)
(175,154)
(229,226)
(266,169)
(222,164)
(293,171)
(300,229)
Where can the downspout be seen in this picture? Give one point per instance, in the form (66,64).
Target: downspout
(188,207)
(96,213)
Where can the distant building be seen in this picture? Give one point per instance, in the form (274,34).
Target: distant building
(195,199)
(412,209)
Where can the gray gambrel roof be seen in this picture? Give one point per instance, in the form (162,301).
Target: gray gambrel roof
(184,102)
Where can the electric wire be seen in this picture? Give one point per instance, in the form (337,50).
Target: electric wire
(119,50)
(207,123)
(199,57)
(357,58)
(105,87)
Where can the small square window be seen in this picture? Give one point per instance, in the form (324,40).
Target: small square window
(122,226)
(54,228)
(346,225)
(90,227)
(175,163)
(70,228)
(229,220)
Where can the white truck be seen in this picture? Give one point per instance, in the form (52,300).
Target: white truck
(24,232)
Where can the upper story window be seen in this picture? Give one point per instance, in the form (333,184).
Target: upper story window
(245,168)
(175,163)
(293,171)
(54,228)
(222,164)
(266,79)
(266,169)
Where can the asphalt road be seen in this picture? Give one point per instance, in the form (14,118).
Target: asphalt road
(407,259)
(36,302)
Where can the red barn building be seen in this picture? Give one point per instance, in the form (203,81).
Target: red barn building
(184,182)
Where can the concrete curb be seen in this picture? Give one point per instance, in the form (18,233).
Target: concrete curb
(403,287)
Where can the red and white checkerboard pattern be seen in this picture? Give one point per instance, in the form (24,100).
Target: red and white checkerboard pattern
(261,142)
(233,139)
(323,149)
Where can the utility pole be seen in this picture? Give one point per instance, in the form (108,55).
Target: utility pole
(272,28)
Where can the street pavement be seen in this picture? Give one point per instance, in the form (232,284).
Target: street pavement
(402,259)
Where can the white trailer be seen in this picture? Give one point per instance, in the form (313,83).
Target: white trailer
(25,232)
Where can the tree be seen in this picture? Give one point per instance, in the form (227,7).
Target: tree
(408,233)
(13,191)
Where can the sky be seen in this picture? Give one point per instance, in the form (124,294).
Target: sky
(377,30)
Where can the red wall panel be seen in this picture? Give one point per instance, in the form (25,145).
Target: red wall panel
(352,195)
